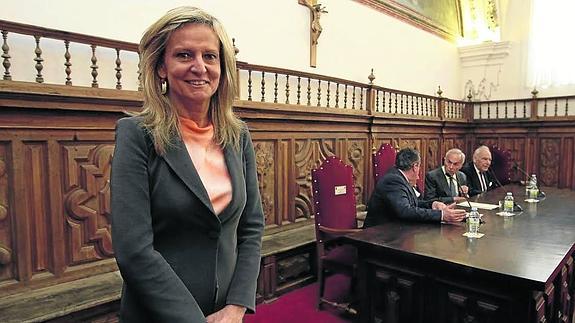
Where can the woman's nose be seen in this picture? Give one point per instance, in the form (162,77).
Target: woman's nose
(198,65)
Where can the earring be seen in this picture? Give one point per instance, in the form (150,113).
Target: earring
(164,86)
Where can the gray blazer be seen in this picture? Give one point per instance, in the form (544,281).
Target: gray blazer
(437,187)
(180,262)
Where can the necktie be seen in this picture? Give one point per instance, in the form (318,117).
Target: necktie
(452,186)
(483,182)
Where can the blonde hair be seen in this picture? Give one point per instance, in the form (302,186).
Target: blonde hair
(158,115)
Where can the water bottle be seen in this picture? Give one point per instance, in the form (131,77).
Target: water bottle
(533,181)
(533,190)
(508,203)
(473,221)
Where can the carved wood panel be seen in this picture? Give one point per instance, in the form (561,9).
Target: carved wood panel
(87,202)
(549,160)
(37,205)
(7,257)
(357,154)
(265,165)
(397,296)
(462,307)
(308,154)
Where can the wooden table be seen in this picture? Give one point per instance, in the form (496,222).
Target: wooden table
(520,271)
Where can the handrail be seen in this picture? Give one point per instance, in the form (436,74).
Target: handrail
(32,30)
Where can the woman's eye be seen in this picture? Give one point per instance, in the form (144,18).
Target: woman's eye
(211,57)
(183,55)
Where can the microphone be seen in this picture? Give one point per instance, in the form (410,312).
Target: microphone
(490,171)
(465,195)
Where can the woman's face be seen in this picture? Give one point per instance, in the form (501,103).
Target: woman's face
(191,66)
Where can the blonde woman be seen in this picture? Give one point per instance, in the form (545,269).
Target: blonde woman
(187,219)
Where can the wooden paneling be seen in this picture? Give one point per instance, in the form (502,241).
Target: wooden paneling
(55,165)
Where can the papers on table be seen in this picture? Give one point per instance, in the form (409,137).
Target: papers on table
(479,206)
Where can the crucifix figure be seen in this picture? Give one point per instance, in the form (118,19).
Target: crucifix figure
(316,10)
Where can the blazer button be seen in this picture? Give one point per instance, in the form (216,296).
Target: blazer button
(213,234)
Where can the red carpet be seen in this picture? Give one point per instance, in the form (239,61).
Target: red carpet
(300,305)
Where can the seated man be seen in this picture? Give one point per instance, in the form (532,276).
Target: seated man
(479,177)
(446,183)
(395,199)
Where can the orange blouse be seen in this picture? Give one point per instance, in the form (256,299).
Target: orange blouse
(208,159)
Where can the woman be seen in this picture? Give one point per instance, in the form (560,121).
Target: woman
(186,212)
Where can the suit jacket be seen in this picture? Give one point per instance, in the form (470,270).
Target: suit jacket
(394,199)
(473,179)
(437,186)
(180,262)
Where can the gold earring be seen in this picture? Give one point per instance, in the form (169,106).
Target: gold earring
(164,86)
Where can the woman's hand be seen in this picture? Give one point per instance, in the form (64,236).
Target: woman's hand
(228,314)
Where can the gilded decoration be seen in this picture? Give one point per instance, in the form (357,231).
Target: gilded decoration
(87,200)
(265,170)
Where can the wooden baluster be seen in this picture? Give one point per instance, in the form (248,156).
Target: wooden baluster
(411,99)
(67,56)
(377,99)
(39,60)
(361,98)
(514,109)
(140,88)
(505,108)
(556,113)
(395,99)
(328,90)
(337,95)
(345,96)
(566,106)
(488,110)
(545,107)
(6,56)
(94,67)
(275,87)
(287,89)
(263,88)
(308,92)
(249,85)
(319,93)
(524,110)
(353,98)
(118,70)
(298,90)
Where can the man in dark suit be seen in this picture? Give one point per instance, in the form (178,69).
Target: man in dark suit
(479,177)
(394,197)
(446,183)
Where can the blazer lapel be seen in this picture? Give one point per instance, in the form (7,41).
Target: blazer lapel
(179,160)
(235,170)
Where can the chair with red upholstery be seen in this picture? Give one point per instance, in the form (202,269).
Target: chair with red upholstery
(382,160)
(335,216)
(501,164)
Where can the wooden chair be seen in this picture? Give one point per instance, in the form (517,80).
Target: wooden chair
(501,164)
(383,160)
(335,216)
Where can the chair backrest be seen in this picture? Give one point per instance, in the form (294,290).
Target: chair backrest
(501,164)
(333,195)
(382,160)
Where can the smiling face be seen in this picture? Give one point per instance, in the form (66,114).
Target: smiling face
(191,66)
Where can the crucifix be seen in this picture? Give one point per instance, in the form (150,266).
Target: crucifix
(316,10)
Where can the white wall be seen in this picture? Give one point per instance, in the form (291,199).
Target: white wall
(514,19)
(355,37)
